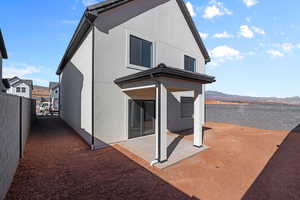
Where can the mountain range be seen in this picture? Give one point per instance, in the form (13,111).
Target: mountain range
(219,96)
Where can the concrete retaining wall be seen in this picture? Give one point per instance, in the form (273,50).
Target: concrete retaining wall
(13,136)
(272,117)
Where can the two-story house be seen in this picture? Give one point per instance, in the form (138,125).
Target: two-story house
(54,95)
(134,68)
(20,87)
(4,85)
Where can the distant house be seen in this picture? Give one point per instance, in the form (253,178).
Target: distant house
(4,85)
(54,95)
(20,87)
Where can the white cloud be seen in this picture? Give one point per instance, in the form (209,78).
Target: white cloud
(246,32)
(67,21)
(89,2)
(215,9)
(190,7)
(258,30)
(222,35)
(19,70)
(203,35)
(223,53)
(250,3)
(285,46)
(251,53)
(275,53)
(298,45)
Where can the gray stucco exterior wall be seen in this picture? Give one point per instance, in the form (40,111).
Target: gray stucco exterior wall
(10,136)
(161,23)
(272,117)
(76,90)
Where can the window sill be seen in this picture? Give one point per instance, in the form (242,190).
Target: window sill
(136,67)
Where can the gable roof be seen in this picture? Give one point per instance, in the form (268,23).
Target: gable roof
(27,82)
(93,11)
(2,46)
(13,80)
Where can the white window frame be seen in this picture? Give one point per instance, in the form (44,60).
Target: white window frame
(127,54)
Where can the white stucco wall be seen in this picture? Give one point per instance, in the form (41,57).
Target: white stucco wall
(166,27)
(76,90)
(27,93)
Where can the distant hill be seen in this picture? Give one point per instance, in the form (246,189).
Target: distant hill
(40,91)
(219,96)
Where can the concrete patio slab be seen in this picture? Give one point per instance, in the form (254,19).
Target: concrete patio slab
(178,149)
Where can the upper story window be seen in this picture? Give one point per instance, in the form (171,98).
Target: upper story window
(23,89)
(140,52)
(18,89)
(189,63)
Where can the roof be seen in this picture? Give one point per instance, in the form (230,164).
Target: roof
(53,85)
(27,82)
(13,79)
(163,71)
(93,11)
(2,46)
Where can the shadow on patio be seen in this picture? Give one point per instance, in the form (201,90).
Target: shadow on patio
(57,164)
(280,179)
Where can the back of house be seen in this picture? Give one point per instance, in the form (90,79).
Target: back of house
(117,38)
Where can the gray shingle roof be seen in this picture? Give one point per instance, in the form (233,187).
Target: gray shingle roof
(26,81)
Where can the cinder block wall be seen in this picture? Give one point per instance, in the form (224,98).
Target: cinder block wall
(10,137)
(271,117)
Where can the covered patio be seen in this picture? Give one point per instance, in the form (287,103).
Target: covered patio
(154,84)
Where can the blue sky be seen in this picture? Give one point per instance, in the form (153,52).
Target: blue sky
(254,44)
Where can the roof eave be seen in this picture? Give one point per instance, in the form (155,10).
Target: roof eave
(164,71)
(92,12)
(2,47)
(87,19)
(194,30)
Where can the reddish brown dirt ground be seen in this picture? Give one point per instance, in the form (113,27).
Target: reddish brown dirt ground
(240,163)
(59,165)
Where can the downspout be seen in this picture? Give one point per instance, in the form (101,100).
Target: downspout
(93,80)
(93,88)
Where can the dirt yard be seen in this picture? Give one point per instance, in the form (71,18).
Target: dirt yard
(240,163)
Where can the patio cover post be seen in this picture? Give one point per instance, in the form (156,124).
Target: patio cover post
(198,115)
(161,122)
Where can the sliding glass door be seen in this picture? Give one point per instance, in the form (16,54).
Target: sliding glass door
(141,118)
